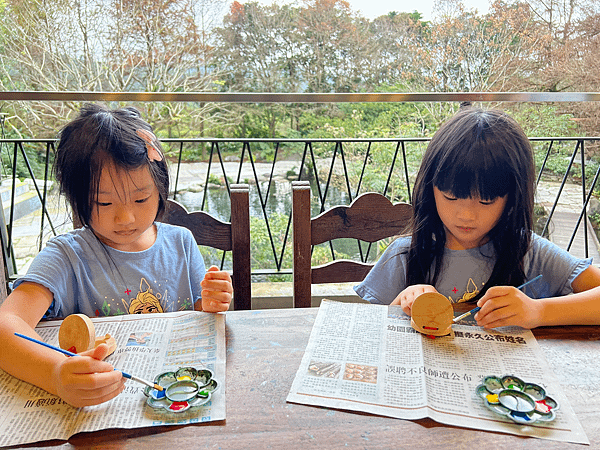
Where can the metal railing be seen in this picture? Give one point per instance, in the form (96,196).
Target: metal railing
(342,165)
(328,172)
(278,97)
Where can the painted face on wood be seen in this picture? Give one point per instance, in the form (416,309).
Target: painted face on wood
(432,314)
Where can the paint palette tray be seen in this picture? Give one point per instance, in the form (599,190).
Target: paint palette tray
(512,397)
(186,388)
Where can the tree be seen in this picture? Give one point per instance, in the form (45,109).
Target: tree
(394,37)
(317,47)
(467,52)
(128,45)
(334,46)
(258,52)
(461,51)
(258,48)
(567,57)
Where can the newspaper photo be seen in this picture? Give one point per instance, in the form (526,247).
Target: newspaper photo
(147,345)
(368,358)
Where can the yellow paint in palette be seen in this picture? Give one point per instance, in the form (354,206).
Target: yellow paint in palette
(492,398)
(185,377)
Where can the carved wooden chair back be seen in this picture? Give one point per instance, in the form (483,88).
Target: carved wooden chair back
(370,218)
(231,236)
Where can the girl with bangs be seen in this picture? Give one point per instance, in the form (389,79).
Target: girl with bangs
(472,237)
(111,168)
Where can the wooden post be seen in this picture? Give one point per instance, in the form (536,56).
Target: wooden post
(240,239)
(302,243)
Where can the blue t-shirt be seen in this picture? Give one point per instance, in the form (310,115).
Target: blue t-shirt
(464,272)
(89,277)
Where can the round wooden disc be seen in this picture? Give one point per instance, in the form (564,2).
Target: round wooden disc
(77,333)
(432,314)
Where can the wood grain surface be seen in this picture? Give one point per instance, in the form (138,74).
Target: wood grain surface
(264,350)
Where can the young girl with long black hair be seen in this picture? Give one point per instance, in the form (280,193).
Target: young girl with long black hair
(472,237)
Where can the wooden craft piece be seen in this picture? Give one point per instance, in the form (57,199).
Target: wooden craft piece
(108,340)
(77,334)
(432,314)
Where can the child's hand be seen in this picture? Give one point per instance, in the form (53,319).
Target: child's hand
(407,297)
(508,306)
(86,380)
(216,290)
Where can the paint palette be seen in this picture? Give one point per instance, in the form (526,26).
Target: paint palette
(186,388)
(522,402)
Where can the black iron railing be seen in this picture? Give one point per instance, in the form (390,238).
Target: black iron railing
(339,169)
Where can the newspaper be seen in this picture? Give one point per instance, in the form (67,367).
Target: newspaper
(365,357)
(147,345)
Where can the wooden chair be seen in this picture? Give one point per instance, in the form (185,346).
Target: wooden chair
(370,217)
(231,236)
(3,276)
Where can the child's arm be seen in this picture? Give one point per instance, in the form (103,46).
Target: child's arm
(505,305)
(80,381)
(407,297)
(216,291)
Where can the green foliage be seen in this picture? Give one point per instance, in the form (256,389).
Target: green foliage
(322,254)
(595,220)
(362,121)
(262,254)
(540,217)
(36,158)
(368,121)
(559,159)
(214,179)
(261,251)
(544,120)
(214,257)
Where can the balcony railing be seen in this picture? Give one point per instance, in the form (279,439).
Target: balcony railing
(334,178)
(339,170)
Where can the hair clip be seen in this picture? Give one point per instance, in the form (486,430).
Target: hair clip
(151,144)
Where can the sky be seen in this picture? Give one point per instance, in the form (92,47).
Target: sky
(375,8)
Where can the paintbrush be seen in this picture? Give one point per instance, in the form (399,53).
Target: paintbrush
(68,353)
(474,310)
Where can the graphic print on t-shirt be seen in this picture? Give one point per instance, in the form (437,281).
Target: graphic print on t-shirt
(470,292)
(146,301)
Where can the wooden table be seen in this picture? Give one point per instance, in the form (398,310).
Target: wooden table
(264,350)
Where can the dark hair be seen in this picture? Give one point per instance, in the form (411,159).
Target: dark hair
(96,137)
(477,153)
